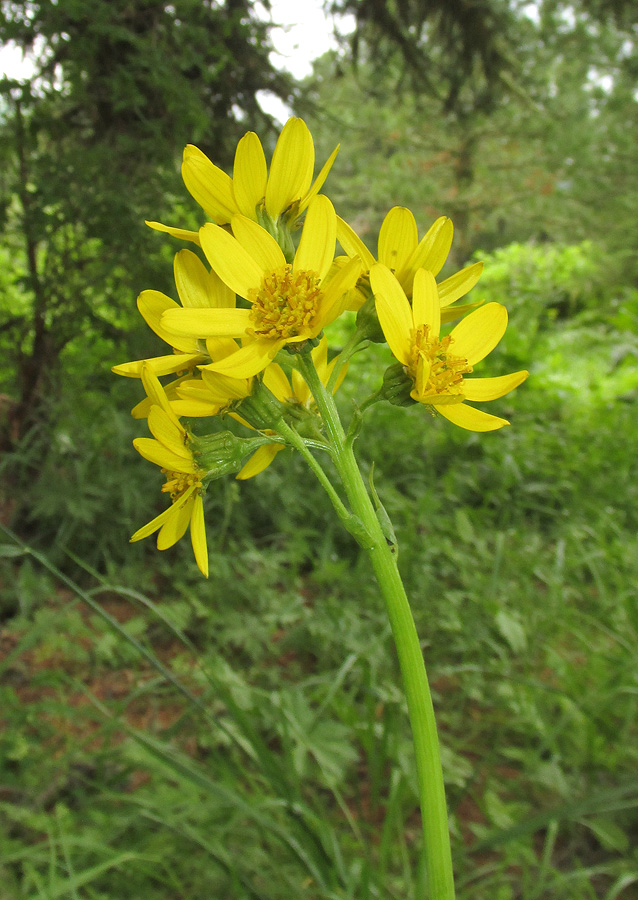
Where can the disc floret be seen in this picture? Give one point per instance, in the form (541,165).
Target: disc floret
(436,371)
(286,304)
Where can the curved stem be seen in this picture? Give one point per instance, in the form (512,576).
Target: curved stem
(436,836)
(352,523)
(353,342)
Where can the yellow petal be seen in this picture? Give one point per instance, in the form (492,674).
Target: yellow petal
(340,377)
(250,175)
(142,409)
(291,168)
(219,348)
(157,453)
(197,287)
(430,253)
(234,265)
(300,389)
(151,305)
(156,393)
(250,360)
(492,388)
(195,408)
(181,233)
(160,365)
(316,249)
(319,180)
(259,461)
(477,334)
(152,526)
(277,383)
(353,245)
(450,313)
(337,293)
(164,430)
(225,388)
(457,285)
(175,525)
(261,246)
(470,418)
(208,185)
(398,239)
(394,311)
(425,302)
(204,323)
(423,369)
(198,535)
(320,357)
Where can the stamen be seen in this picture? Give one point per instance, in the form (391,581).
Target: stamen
(286,304)
(177,483)
(445,370)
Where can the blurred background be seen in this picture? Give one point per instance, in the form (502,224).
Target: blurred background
(165,737)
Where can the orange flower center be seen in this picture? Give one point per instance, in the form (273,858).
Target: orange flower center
(285,304)
(438,371)
(177,483)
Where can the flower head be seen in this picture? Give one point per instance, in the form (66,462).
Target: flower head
(283,192)
(437,365)
(290,303)
(400,249)
(169,448)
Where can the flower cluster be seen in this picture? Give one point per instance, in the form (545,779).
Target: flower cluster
(257,303)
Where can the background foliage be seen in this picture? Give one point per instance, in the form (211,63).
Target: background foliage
(247,737)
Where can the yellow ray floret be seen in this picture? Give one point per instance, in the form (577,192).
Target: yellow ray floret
(437,365)
(290,303)
(252,191)
(400,249)
(170,450)
(197,288)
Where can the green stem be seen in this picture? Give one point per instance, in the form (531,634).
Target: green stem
(352,523)
(436,835)
(356,338)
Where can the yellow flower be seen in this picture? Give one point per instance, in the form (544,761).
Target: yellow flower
(284,191)
(170,450)
(290,303)
(401,251)
(437,366)
(197,288)
(298,392)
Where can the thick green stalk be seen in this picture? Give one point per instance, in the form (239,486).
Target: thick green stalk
(420,709)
